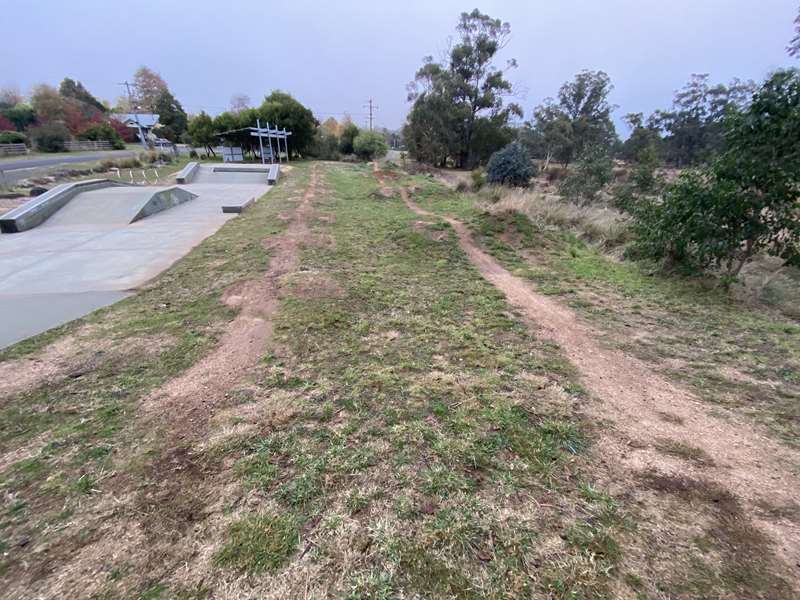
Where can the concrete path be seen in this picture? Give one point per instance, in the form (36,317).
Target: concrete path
(87,255)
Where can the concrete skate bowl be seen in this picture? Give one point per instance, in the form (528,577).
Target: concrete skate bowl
(93,202)
(229,174)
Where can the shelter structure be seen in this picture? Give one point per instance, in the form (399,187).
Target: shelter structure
(268,143)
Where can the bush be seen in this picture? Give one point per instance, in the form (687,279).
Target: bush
(593,171)
(369,145)
(478,179)
(102,132)
(49,137)
(743,203)
(193,153)
(349,134)
(13,137)
(128,163)
(325,146)
(511,166)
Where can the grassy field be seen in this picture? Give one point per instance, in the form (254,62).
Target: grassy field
(404,433)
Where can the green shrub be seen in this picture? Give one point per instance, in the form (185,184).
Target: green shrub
(349,134)
(325,146)
(743,203)
(49,137)
(593,171)
(369,145)
(511,166)
(13,137)
(478,177)
(103,132)
(193,153)
(128,163)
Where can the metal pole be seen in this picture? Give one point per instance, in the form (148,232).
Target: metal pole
(260,143)
(271,153)
(278,142)
(286,143)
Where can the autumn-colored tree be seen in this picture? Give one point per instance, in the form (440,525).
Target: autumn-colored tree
(149,86)
(48,104)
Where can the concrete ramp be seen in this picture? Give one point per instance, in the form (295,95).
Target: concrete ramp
(117,206)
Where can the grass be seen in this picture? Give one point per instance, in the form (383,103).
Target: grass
(404,436)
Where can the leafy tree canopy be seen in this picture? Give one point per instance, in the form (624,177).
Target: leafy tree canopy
(70,88)
(467,86)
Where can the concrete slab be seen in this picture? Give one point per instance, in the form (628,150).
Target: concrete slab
(68,267)
(43,312)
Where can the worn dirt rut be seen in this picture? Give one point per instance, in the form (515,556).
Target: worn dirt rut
(628,400)
(188,401)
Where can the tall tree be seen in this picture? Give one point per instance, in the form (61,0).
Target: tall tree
(47,103)
(794,45)
(171,116)
(239,102)
(468,86)
(201,130)
(584,101)
(693,128)
(282,110)
(74,90)
(10,96)
(149,86)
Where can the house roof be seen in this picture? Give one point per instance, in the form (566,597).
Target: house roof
(145,120)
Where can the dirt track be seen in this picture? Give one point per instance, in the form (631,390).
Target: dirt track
(629,401)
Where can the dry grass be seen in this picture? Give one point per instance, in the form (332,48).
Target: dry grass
(600,225)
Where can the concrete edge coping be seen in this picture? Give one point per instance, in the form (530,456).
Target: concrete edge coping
(187,173)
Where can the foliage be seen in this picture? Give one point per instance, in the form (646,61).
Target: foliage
(13,137)
(794,46)
(75,90)
(47,103)
(282,110)
(201,128)
(593,171)
(103,132)
(239,102)
(325,146)
(463,96)
(510,166)
(644,138)
(349,134)
(10,96)
(369,145)
(694,128)
(170,115)
(148,88)
(128,134)
(49,137)
(21,115)
(745,202)
(5,124)
(580,118)
(478,178)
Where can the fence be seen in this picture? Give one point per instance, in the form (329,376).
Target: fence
(10,149)
(87,145)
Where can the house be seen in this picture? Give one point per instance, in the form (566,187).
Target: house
(147,122)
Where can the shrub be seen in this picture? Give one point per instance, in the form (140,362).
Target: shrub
(369,145)
(478,179)
(462,186)
(13,137)
(593,171)
(102,132)
(193,153)
(349,134)
(49,137)
(325,146)
(128,163)
(743,203)
(510,166)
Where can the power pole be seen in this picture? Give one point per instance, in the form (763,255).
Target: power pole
(372,109)
(135,114)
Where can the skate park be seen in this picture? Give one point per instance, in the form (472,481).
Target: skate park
(88,244)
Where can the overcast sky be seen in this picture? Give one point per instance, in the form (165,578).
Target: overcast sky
(333,56)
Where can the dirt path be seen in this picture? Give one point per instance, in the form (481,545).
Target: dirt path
(632,400)
(190,400)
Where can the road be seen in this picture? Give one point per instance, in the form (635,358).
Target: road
(33,163)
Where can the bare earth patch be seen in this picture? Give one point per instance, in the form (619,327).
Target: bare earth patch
(628,400)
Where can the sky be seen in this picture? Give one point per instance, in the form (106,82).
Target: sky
(335,56)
